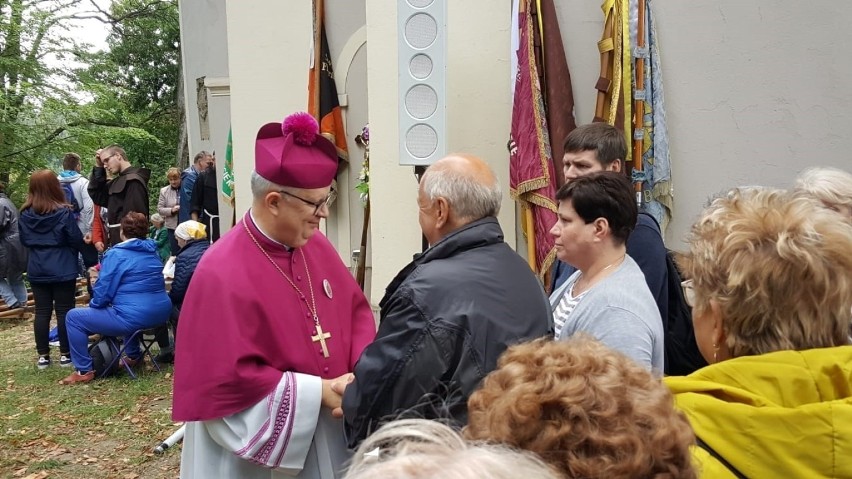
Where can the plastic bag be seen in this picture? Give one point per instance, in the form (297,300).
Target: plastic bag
(169,268)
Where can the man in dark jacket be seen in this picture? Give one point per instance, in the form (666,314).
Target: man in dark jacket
(205,200)
(13,256)
(450,313)
(126,192)
(187,182)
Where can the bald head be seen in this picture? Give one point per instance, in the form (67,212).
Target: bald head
(467,183)
(468,166)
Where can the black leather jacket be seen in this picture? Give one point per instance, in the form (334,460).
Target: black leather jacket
(445,320)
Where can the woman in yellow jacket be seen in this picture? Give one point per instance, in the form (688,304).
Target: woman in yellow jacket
(771,289)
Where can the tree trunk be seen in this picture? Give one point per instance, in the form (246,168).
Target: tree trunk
(183,137)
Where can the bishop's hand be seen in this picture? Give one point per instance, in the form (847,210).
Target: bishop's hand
(332,393)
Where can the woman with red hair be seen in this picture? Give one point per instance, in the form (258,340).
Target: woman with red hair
(48,228)
(587,410)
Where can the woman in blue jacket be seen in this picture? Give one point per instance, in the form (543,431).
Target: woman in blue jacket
(130,295)
(48,228)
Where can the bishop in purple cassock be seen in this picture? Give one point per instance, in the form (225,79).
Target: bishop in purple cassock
(272,317)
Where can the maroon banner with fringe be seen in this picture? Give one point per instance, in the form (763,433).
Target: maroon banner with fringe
(531,170)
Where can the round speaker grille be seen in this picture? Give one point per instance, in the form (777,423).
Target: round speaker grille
(420,30)
(420,66)
(420,3)
(421,101)
(421,141)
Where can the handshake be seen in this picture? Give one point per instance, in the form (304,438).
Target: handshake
(332,393)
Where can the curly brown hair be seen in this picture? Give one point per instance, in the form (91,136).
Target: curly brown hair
(134,225)
(585,409)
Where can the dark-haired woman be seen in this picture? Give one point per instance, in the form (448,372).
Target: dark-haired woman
(48,228)
(130,295)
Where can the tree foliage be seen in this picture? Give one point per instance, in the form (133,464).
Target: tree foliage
(125,94)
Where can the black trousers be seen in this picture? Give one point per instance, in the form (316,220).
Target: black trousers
(173,244)
(90,256)
(161,333)
(50,297)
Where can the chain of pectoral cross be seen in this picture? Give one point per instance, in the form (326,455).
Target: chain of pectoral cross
(321,335)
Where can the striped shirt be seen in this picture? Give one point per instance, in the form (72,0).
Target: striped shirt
(564,309)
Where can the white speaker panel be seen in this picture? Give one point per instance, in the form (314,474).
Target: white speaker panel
(422,38)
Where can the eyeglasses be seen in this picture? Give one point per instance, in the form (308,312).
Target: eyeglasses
(328,201)
(688,292)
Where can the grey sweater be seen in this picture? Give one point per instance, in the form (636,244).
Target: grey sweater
(620,312)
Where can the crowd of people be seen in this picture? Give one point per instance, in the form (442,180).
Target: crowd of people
(730,359)
(72,227)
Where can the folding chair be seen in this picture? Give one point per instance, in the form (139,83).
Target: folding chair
(146,340)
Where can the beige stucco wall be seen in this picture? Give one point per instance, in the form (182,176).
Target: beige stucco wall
(268,60)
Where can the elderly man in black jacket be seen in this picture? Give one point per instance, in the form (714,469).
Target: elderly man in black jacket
(451,312)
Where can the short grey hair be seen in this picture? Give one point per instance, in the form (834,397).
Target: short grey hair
(470,199)
(156,218)
(421,448)
(201,154)
(260,186)
(831,186)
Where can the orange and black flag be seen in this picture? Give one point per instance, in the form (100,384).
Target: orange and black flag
(322,91)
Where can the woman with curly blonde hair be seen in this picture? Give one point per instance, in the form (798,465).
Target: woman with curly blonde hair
(771,290)
(587,410)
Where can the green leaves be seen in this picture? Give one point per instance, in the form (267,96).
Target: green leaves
(126,94)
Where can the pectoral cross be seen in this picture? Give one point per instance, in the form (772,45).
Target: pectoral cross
(321,337)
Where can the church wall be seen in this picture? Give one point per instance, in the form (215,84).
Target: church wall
(204,45)
(268,58)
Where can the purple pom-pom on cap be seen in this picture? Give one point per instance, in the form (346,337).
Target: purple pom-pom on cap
(303,126)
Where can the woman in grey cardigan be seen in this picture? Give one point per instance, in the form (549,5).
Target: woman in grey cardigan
(607,297)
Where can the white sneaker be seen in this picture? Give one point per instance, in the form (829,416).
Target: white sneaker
(43,362)
(64,361)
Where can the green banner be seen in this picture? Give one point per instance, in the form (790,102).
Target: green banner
(228,174)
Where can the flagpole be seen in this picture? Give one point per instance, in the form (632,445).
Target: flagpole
(639,104)
(361,272)
(313,100)
(605,48)
(529,228)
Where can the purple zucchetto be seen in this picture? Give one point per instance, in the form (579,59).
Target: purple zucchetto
(293,153)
